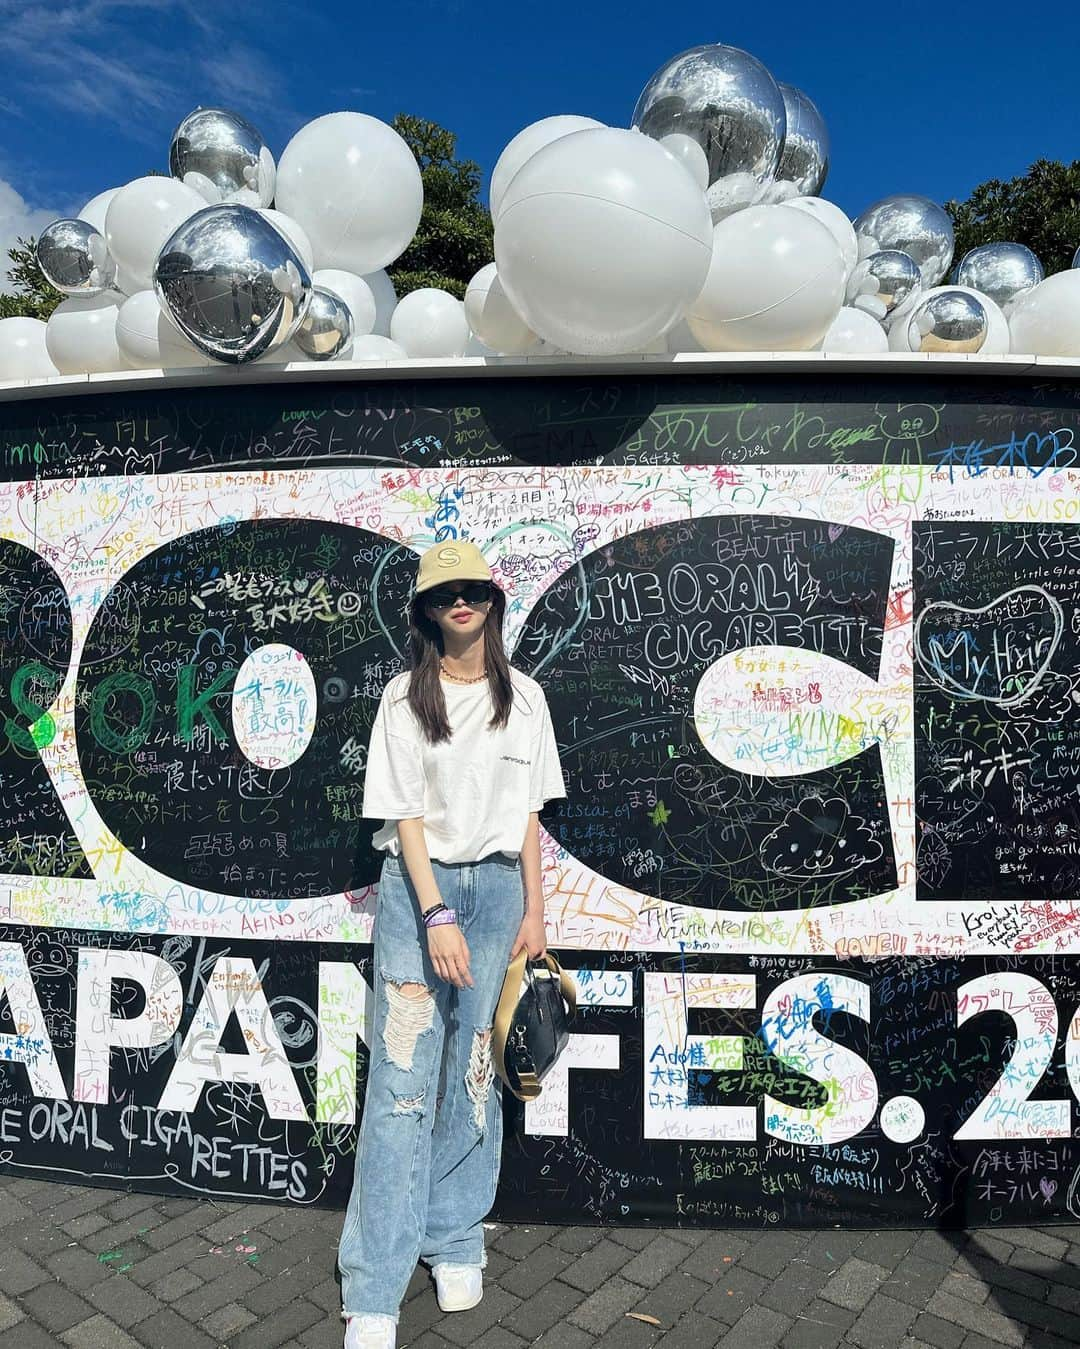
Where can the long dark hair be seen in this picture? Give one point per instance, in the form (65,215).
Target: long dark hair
(426,696)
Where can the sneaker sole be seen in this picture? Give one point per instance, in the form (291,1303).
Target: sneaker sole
(460,1306)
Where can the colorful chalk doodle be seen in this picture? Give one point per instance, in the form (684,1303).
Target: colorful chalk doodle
(812,652)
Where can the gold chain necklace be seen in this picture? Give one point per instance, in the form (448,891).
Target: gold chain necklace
(460,679)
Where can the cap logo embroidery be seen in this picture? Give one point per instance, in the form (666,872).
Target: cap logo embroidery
(448,557)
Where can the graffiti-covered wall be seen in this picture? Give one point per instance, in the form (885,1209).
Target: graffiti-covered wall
(812,650)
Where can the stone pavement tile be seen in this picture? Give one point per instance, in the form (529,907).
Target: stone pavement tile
(498,1338)
(429,1340)
(420,1314)
(693,1331)
(831,1249)
(633,1238)
(167,1330)
(229,1320)
(654,1262)
(523,1278)
(564,1337)
(886,1248)
(286,1324)
(545,1309)
(799,1285)
(466,1327)
(1068,1299)
(18,1273)
(942,1247)
(731,1294)
(910,1342)
(76,1268)
(672,1298)
(126,1206)
(328,1334)
(981,1319)
(55,1307)
(122,1301)
(941,1334)
(272,1293)
(1027,1312)
(629,1333)
(718,1252)
(1034,1239)
(822,1325)
(1054,1271)
(229,1227)
(10,1313)
(519,1241)
(590,1270)
(99,1333)
(234,1283)
(960,1282)
(998,1275)
(26,1335)
(603,1308)
(327,1295)
(883,1324)
(163,1236)
(854,1284)
(150,1268)
(575,1240)
(85,1225)
(174,1285)
(990,1246)
(89,1201)
(37,1239)
(690,1236)
(757,1328)
(771,1254)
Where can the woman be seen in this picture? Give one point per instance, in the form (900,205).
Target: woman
(462,758)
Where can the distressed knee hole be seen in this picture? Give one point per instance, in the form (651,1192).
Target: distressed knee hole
(480,1076)
(409,1105)
(411,1012)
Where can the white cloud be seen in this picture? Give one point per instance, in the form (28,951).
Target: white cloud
(18,219)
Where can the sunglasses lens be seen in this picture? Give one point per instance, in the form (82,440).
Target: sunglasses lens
(477,593)
(441,599)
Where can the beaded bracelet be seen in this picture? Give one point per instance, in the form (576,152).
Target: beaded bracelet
(439,915)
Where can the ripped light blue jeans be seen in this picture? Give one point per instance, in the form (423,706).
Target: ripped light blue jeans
(427,1161)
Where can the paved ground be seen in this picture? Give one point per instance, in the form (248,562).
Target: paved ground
(96,1269)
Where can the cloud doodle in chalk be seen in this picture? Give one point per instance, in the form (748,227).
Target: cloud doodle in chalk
(998,653)
(818,840)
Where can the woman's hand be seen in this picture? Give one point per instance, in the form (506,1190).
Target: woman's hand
(532,935)
(449,953)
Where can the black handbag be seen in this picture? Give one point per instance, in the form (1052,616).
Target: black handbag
(537,1002)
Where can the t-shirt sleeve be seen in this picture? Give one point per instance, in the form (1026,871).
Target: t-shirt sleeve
(394,782)
(545,773)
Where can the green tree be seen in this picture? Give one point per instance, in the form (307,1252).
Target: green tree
(1041,209)
(454,238)
(32,295)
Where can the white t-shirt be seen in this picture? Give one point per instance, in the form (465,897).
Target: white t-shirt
(476,790)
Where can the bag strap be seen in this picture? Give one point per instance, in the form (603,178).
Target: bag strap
(516,972)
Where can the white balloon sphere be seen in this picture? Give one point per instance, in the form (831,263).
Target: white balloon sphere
(680,338)
(430,323)
(835,221)
(81,335)
(355,292)
(385,300)
(97,207)
(1046,321)
(293,232)
(493,318)
(602,241)
(526,144)
(354,185)
(998,337)
(776,282)
(139,219)
(855,333)
(690,155)
(376,348)
(149,340)
(23,350)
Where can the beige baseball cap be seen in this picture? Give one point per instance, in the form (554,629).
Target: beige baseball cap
(456,561)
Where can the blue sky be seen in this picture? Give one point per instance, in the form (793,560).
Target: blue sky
(927,98)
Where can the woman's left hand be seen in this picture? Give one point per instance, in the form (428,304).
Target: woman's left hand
(532,935)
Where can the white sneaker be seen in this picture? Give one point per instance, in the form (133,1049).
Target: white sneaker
(370,1332)
(458,1287)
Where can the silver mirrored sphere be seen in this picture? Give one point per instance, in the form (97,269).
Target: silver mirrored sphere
(951,321)
(223,157)
(726,101)
(74,258)
(916,226)
(1005,272)
(804,159)
(889,279)
(1076,258)
(232,283)
(326,329)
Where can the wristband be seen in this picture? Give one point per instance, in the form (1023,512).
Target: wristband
(437,917)
(425,914)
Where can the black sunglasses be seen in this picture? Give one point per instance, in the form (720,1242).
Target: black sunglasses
(476,592)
